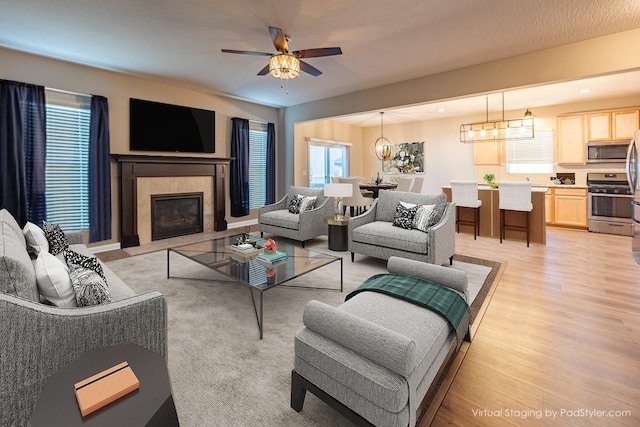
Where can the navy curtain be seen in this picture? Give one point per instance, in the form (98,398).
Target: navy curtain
(239,167)
(22,151)
(271,164)
(99,171)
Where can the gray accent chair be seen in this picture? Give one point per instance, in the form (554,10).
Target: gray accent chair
(39,339)
(375,358)
(373,233)
(277,220)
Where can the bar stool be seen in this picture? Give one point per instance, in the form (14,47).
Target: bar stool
(465,194)
(515,196)
(404,184)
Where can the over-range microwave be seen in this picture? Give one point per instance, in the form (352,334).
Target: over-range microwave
(607,152)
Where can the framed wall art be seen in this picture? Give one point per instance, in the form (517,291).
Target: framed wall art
(407,157)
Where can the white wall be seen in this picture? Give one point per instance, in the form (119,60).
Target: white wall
(603,55)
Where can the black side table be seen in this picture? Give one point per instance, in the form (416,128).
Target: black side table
(151,405)
(338,238)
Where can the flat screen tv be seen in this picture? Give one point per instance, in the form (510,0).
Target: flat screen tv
(155,126)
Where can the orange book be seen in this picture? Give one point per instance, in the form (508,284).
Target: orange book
(101,389)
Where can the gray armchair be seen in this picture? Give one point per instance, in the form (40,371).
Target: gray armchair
(276,218)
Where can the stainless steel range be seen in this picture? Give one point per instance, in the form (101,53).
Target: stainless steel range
(609,203)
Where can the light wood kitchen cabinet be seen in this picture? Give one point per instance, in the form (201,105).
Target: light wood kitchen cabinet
(570,207)
(548,206)
(599,126)
(623,124)
(615,125)
(487,153)
(571,140)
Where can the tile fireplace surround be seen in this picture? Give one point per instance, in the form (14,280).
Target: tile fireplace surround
(140,176)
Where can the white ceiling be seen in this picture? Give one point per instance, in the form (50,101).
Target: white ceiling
(383,41)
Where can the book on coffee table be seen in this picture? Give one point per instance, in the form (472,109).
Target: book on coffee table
(271,258)
(245,253)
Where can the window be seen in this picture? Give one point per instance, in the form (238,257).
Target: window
(257,164)
(67,160)
(327,159)
(531,155)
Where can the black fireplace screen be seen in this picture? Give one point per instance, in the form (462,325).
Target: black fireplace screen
(176,215)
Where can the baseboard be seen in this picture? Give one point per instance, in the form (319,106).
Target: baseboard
(105,248)
(240,224)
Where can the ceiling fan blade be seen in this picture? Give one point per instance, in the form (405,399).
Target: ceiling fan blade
(314,53)
(247,52)
(279,39)
(264,71)
(309,69)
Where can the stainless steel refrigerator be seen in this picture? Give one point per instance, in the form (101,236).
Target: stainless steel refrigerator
(633,175)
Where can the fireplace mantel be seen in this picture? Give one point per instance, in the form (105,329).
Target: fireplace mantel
(131,166)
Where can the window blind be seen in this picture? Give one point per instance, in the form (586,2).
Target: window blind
(532,155)
(67,166)
(257,164)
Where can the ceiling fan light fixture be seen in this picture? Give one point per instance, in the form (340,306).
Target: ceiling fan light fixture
(284,66)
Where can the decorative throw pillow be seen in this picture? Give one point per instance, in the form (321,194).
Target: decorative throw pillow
(436,214)
(72,257)
(308,203)
(90,288)
(36,239)
(421,219)
(55,236)
(404,215)
(52,278)
(294,204)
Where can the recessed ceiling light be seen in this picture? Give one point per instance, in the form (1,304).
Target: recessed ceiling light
(440,110)
(585,90)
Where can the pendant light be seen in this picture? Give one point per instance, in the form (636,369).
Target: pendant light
(382,146)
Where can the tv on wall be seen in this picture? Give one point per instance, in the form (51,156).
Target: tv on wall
(154,126)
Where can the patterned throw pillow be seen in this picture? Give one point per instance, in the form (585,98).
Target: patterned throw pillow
(421,219)
(294,204)
(90,288)
(404,215)
(72,257)
(56,238)
(436,214)
(308,203)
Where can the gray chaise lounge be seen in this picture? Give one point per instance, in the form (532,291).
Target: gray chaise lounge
(39,339)
(375,357)
(373,234)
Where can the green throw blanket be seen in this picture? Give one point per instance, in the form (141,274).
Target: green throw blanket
(444,301)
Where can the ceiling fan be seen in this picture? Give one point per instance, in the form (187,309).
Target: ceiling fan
(287,65)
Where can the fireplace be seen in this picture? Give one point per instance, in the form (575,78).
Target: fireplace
(176,215)
(133,167)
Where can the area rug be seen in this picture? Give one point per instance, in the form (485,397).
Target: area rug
(221,373)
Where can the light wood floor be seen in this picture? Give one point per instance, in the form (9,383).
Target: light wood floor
(560,336)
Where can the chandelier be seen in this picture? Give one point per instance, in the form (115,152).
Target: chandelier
(284,66)
(498,130)
(382,146)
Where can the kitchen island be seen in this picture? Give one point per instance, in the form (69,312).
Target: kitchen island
(490,215)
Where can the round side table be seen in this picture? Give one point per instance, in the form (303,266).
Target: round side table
(151,405)
(338,238)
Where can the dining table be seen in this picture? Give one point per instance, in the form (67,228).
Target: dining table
(375,188)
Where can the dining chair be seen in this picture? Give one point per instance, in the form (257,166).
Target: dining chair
(417,185)
(464,194)
(404,184)
(515,196)
(357,202)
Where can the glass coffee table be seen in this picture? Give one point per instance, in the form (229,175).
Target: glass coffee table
(258,276)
